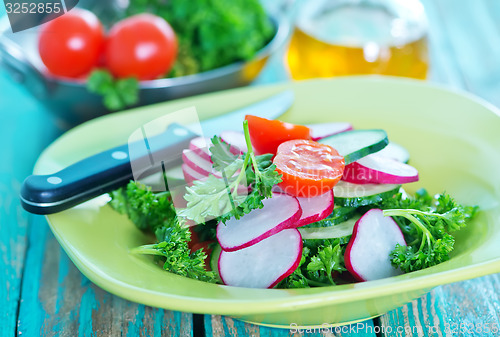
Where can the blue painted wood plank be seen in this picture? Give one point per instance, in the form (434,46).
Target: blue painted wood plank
(223,326)
(23,138)
(418,318)
(57,300)
(470,308)
(473,304)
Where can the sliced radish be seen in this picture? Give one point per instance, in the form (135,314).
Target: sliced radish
(236,140)
(315,208)
(374,169)
(279,212)
(396,152)
(191,175)
(264,264)
(196,162)
(200,146)
(367,254)
(323,130)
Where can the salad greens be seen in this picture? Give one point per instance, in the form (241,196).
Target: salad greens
(321,261)
(211,33)
(147,210)
(178,259)
(426,222)
(209,198)
(155,212)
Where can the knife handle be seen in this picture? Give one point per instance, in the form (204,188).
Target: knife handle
(103,172)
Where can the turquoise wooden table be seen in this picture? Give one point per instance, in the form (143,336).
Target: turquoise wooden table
(42,293)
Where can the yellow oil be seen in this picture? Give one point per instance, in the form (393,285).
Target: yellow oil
(354,40)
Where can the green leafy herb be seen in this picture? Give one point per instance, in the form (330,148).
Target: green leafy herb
(211,33)
(155,212)
(329,259)
(178,258)
(147,210)
(117,93)
(219,197)
(321,263)
(426,223)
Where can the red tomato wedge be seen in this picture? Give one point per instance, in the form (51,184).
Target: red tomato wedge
(266,135)
(309,168)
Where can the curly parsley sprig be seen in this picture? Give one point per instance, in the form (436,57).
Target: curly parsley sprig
(426,223)
(177,256)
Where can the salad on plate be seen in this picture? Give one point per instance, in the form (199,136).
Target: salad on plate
(293,206)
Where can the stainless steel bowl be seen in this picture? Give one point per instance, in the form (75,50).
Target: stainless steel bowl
(73,103)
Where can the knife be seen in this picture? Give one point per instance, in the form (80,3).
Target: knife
(111,169)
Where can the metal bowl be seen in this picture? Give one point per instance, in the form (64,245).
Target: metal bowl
(73,103)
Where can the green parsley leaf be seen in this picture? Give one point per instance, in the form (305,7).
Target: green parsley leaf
(329,259)
(426,223)
(178,259)
(209,198)
(147,210)
(321,264)
(211,33)
(117,93)
(221,155)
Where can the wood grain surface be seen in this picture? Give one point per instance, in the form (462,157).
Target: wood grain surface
(59,301)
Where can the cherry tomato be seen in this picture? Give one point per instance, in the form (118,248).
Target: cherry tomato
(266,135)
(308,168)
(143,46)
(71,44)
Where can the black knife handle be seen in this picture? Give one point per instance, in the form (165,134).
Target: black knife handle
(103,172)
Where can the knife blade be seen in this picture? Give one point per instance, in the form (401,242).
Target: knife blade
(111,169)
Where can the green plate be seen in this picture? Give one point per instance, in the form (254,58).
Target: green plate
(453,139)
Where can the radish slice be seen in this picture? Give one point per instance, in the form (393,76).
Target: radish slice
(375,169)
(200,146)
(279,212)
(264,264)
(396,152)
(236,140)
(315,208)
(198,164)
(191,175)
(323,130)
(367,254)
